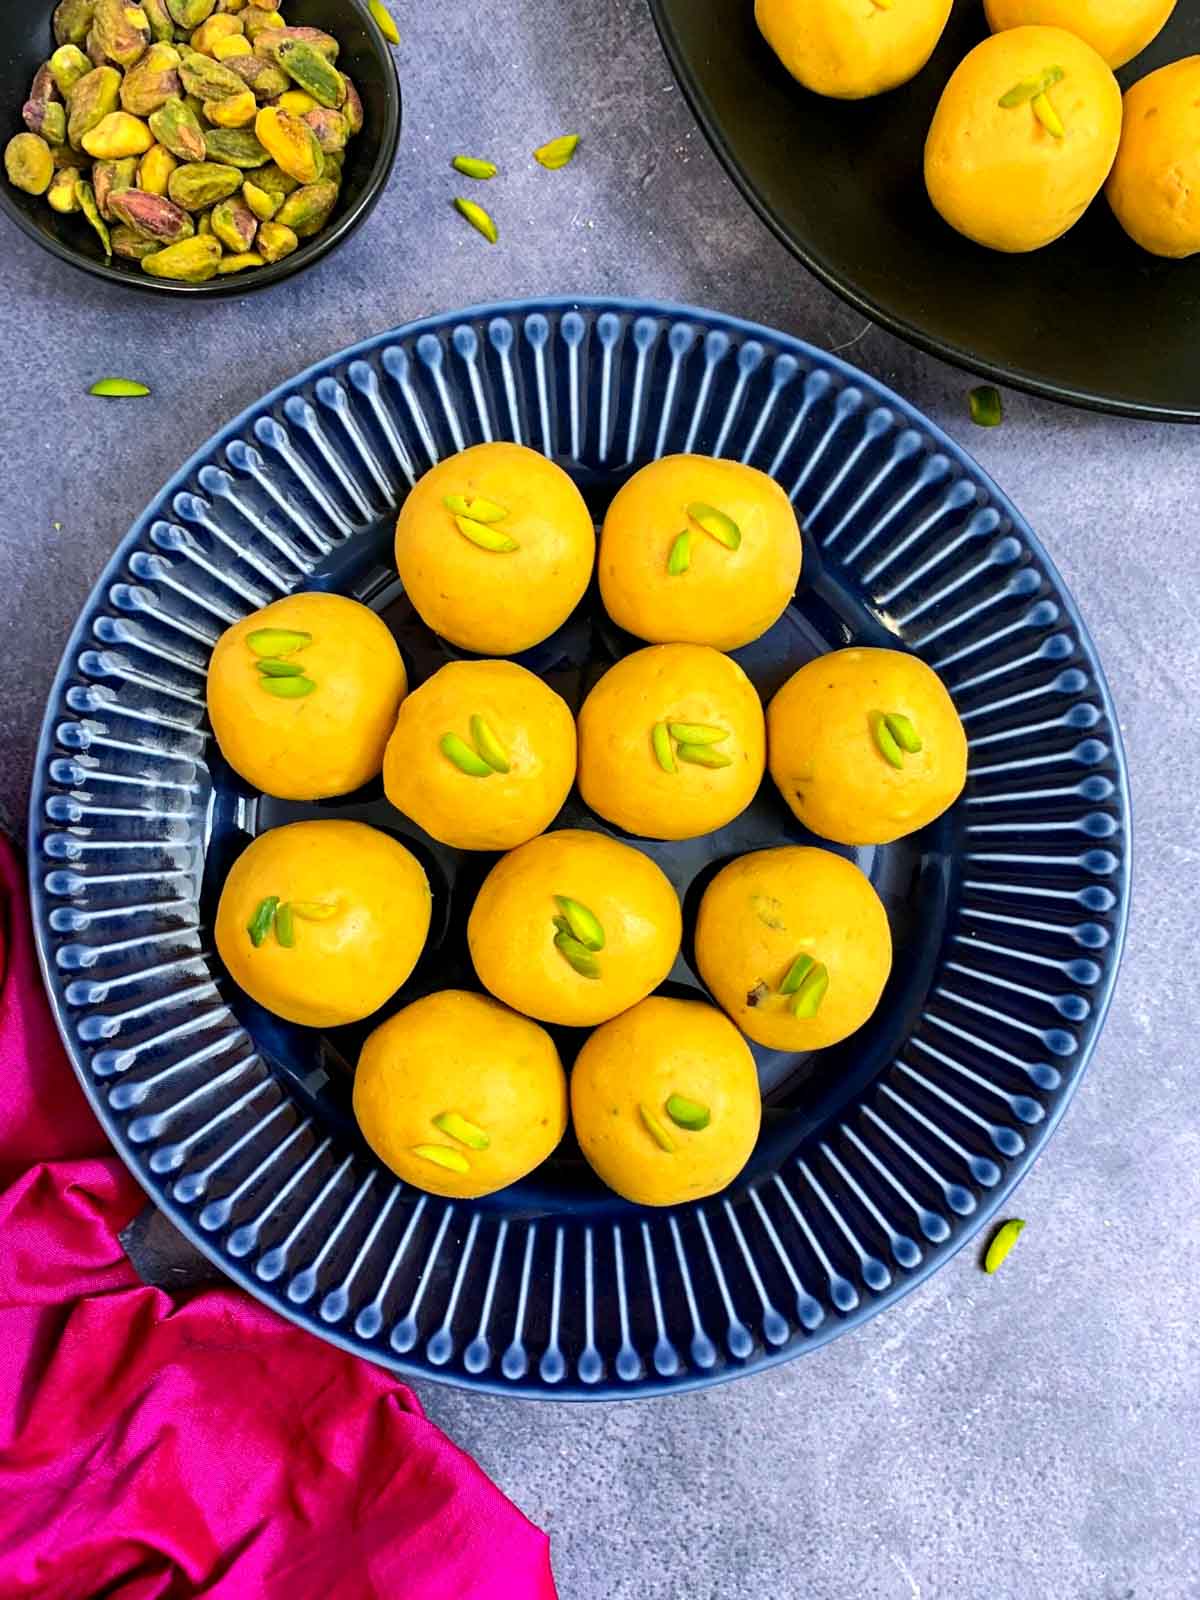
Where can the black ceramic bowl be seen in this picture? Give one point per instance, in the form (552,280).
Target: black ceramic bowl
(26,40)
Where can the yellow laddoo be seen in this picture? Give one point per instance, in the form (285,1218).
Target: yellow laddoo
(483,755)
(672,742)
(866,746)
(696,550)
(321,922)
(1022,138)
(665,1102)
(574,927)
(1118,30)
(1154,187)
(794,943)
(495,548)
(303,695)
(459,1095)
(850,49)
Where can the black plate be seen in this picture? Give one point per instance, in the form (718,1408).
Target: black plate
(1091,320)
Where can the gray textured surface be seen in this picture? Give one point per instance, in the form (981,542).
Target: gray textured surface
(1029,1436)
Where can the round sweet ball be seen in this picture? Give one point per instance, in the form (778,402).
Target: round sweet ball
(483,755)
(852,50)
(1118,30)
(794,944)
(672,742)
(1154,187)
(866,746)
(303,694)
(1023,138)
(665,1102)
(574,927)
(495,548)
(696,550)
(460,1096)
(321,922)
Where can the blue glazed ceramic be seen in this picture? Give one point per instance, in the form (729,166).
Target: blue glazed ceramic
(878,1158)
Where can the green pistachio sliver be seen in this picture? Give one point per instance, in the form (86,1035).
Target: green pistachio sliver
(1049,118)
(287,688)
(119,389)
(715,523)
(680,557)
(690,1114)
(443,1155)
(481,509)
(271,668)
(577,954)
(697,733)
(1002,1242)
(796,973)
(1020,93)
(986,406)
(489,747)
(457,1127)
(807,1000)
(885,740)
(384,21)
(285,926)
(703,755)
(557,152)
(463,757)
(904,731)
(660,738)
(563,926)
(769,911)
(474,167)
(314,910)
(259,925)
(486,538)
(478,218)
(584,924)
(277,641)
(656,1130)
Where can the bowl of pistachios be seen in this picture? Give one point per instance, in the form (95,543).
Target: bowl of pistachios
(196,146)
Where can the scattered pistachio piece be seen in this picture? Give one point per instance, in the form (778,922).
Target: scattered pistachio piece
(479,533)
(314,910)
(473,167)
(715,523)
(1021,93)
(656,1130)
(285,926)
(703,755)
(481,509)
(277,641)
(259,925)
(577,954)
(384,21)
(697,733)
(680,557)
(119,389)
(660,738)
(442,1156)
(1002,1242)
(489,747)
(769,911)
(557,152)
(904,731)
(1049,118)
(478,218)
(690,1114)
(456,1127)
(796,974)
(463,757)
(585,925)
(987,409)
(885,740)
(807,1000)
(271,668)
(287,688)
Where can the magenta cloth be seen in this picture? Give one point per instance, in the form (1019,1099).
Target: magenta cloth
(154,1448)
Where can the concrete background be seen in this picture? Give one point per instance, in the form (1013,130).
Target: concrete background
(1029,1436)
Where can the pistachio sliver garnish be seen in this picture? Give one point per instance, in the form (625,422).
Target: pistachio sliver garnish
(272,667)
(796,973)
(1049,118)
(443,1155)
(485,537)
(119,389)
(478,218)
(562,926)
(885,740)
(463,757)
(287,688)
(384,21)
(660,738)
(314,910)
(680,557)
(904,731)
(259,925)
(277,641)
(475,167)
(1002,1242)
(807,1000)
(715,523)
(578,955)
(656,1130)
(557,152)
(458,504)
(697,733)
(466,1132)
(703,755)
(986,406)
(489,747)
(481,509)
(1021,93)
(690,1114)
(285,926)
(585,925)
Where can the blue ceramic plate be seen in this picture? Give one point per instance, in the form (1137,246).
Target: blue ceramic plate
(879,1158)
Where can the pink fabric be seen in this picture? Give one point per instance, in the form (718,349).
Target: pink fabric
(151,1448)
